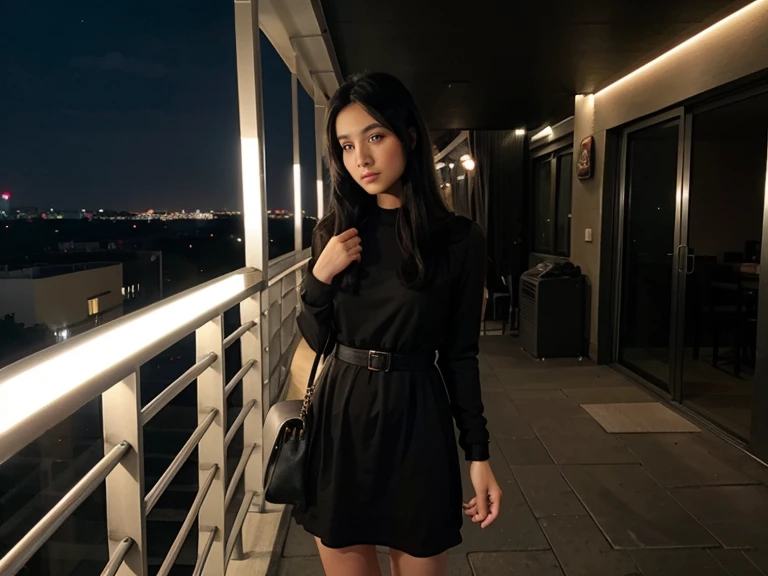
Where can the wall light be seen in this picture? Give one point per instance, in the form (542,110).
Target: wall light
(546,133)
(467,162)
(738,14)
(520,132)
(439,165)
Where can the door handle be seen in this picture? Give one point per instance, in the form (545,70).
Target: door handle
(679,259)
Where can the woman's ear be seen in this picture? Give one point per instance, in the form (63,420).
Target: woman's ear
(412,134)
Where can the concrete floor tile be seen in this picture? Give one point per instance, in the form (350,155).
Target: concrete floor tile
(583,550)
(677,562)
(299,542)
(581,441)
(503,417)
(632,510)
(523,394)
(524,452)
(608,394)
(735,562)
(680,460)
(547,492)
(736,515)
(515,563)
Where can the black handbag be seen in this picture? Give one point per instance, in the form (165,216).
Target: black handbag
(285,432)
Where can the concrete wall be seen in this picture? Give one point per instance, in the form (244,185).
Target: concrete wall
(586,210)
(63,300)
(732,49)
(17,297)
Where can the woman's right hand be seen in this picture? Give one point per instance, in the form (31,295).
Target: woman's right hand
(339,253)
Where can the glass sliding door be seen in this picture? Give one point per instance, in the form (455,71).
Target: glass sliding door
(650,241)
(724,234)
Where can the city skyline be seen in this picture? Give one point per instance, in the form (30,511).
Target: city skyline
(135,107)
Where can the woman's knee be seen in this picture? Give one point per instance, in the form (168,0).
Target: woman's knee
(403,564)
(349,561)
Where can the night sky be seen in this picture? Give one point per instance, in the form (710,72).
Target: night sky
(133,105)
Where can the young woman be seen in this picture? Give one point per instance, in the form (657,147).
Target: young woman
(395,281)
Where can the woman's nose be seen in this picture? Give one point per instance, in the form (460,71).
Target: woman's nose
(363,158)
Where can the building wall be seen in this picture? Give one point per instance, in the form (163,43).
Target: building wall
(733,49)
(586,211)
(63,300)
(17,297)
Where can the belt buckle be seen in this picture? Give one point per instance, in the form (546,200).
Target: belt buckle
(374,354)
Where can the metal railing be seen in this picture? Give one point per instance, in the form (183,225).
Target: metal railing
(42,390)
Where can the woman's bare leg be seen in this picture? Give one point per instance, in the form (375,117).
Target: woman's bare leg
(349,561)
(403,564)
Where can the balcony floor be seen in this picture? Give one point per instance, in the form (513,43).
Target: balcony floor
(580,501)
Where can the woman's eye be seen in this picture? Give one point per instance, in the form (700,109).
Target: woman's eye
(346,147)
(375,138)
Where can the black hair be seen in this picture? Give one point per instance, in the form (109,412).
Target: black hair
(423,212)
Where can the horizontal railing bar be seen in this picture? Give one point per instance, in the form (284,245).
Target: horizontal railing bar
(237,334)
(237,526)
(189,521)
(239,376)
(75,370)
(237,423)
(203,558)
(278,266)
(161,400)
(162,485)
(33,540)
(238,474)
(278,277)
(117,558)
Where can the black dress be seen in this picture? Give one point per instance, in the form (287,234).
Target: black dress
(383,462)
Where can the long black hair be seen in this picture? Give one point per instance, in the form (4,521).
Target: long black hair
(423,212)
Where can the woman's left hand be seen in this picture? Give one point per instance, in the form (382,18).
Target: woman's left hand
(486,504)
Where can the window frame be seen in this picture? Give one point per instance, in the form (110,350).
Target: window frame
(552,155)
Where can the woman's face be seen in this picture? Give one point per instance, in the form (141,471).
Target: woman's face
(373,155)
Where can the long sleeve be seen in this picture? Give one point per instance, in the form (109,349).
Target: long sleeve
(458,354)
(315,317)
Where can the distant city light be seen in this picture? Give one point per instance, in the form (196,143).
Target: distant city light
(6,196)
(101,210)
(239,239)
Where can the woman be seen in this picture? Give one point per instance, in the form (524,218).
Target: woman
(395,277)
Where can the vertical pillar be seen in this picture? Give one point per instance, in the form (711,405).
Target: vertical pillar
(298,217)
(126,513)
(319,151)
(250,347)
(211,450)
(249,89)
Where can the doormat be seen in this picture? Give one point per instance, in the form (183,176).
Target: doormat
(638,418)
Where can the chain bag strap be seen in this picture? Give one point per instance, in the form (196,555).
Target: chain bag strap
(285,431)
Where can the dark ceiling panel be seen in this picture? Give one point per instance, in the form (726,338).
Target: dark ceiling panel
(492,64)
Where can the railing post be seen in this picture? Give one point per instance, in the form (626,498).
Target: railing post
(126,512)
(211,450)
(251,347)
(298,215)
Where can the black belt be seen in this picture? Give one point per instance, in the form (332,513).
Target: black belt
(377,361)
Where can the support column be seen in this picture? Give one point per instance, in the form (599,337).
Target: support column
(249,89)
(126,512)
(211,450)
(298,217)
(320,112)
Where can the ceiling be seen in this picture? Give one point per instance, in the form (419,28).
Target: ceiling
(508,64)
